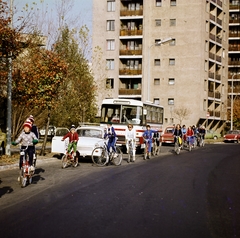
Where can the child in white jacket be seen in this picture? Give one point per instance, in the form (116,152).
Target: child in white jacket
(130,134)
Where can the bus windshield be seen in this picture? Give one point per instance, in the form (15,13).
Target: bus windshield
(122,114)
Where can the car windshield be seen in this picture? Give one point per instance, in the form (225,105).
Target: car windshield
(169,130)
(90,133)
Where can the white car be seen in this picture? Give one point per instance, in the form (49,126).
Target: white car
(89,138)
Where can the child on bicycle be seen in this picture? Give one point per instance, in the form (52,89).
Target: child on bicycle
(130,134)
(178,132)
(148,136)
(73,139)
(190,136)
(111,135)
(28,140)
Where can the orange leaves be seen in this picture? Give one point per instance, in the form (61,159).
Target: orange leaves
(41,74)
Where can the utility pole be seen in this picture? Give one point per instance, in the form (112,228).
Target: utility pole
(9,92)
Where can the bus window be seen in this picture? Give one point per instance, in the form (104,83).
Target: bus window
(110,113)
(131,114)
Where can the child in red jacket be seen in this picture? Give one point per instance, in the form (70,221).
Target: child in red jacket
(73,139)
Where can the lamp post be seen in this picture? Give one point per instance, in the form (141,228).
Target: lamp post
(149,48)
(232,102)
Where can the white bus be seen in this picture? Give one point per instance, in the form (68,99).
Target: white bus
(124,111)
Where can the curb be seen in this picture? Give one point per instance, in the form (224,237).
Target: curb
(16,165)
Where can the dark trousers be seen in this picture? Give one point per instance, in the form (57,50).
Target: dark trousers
(29,151)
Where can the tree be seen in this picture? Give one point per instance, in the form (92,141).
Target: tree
(181,113)
(38,76)
(76,103)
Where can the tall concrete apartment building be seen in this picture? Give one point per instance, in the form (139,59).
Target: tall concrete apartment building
(188,74)
(234,51)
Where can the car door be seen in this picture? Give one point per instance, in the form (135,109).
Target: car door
(59,146)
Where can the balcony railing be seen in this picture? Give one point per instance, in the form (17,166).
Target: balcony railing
(212,17)
(233,62)
(124,13)
(218,77)
(234,34)
(219,21)
(218,58)
(130,71)
(211,56)
(217,95)
(234,20)
(125,32)
(211,75)
(234,48)
(219,3)
(130,91)
(130,52)
(236,76)
(236,89)
(233,7)
(214,113)
(211,36)
(211,94)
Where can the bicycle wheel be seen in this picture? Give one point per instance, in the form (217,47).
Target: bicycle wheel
(23,179)
(177,148)
(64,161)
(99,156)
(117,157)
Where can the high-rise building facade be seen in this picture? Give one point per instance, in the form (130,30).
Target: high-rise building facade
(169,52)
(234,55)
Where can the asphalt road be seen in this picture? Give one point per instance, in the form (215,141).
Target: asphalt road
(195,194)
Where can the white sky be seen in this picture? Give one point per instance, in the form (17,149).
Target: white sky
(78,8)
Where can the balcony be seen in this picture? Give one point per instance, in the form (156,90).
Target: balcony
(124,13)
(236,89)
(130,52)
(212,17)
(217,95)
(213,113)
(130,71)
(123,91)
(125,32)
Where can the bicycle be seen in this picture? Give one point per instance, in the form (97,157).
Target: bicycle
(130,151)
(146,153)
(69,159)
(26,171)
(101,156)
(156,147)
(177,145)
(201,141)
(190,142)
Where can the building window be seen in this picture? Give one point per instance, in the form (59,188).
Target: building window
(110,25)
(171,61)
(157,62)
(156,101)
(173,3)
(171,101)
(172,42)
(172,22)
(110,44)
(171,81)
(157,81)
(158,3)
(158,22)
(109,83)
(110,64)
(111,5)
